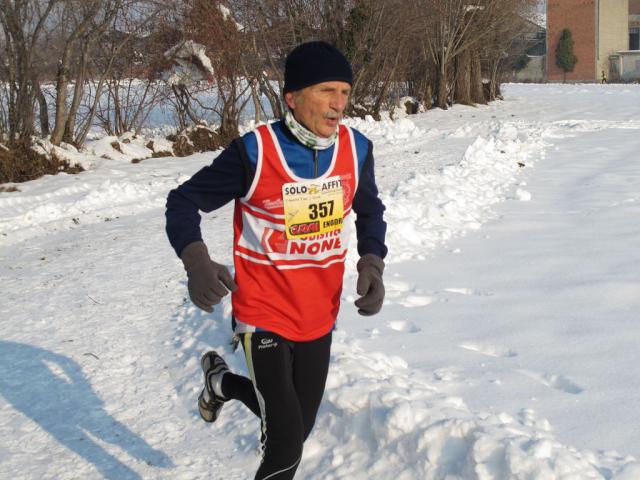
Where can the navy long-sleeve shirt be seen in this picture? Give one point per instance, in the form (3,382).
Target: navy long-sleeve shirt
(231,173)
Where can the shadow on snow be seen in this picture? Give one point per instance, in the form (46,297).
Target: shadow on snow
(52,391)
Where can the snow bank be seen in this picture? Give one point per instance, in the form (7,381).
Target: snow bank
(388,422)
(84,203)
(389,131)
(115,189)
(428,209)
(126,148)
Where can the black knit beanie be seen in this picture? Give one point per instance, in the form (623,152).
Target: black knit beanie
(315,62)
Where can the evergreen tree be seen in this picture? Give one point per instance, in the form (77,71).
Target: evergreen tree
(565,58)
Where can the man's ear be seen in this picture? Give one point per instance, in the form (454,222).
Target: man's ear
(290,100)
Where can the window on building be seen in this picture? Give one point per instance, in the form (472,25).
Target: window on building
(537,45)
(634,39)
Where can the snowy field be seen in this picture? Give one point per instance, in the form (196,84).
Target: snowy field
(507,347)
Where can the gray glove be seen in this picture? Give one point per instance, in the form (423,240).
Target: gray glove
(207,279)
(370,286)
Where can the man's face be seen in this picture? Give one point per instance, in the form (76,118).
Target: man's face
(320,106)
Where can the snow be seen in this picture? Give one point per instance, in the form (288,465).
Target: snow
(129,147)
(125,148)
(506,349)
(190,64)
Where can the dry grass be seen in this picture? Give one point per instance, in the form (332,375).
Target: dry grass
(196,139)
(20,163)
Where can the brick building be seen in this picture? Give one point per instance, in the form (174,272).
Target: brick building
(600,30)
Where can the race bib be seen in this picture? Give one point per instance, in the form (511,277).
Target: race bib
(313,207)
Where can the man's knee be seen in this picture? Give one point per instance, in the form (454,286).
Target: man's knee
(285,442)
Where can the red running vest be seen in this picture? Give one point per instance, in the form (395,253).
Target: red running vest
(287,286)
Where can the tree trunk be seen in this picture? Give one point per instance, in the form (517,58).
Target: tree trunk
(256,102)
(78,91)
(25,96)
(28,110)
(494,88)
(463,78)
(88,120)
(441,94)
(428,95)
(62,82)
(70,123)
(44,113)
(477,93)
(382,95)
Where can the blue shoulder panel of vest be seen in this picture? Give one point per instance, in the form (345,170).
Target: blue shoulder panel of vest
(362,147)
(251,145)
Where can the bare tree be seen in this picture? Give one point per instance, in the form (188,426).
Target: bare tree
(95,40)
(456,33)
(502,44)
(213,25)
(75,19)
(264,54)
(449,26)
(23,24)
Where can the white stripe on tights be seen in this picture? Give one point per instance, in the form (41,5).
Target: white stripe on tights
(283,470)
(252,374)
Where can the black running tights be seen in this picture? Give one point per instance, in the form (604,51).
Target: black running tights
(285,390)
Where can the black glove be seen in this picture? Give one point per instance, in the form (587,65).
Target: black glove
(370,286)
(207,279)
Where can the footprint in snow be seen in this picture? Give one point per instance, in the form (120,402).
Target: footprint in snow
(467,291)
(446,374)
(405,294)
(403,326)
(529,418)
(489,350)
(396,288)
(559,382)
(415,301)
(461,291)
(373,332)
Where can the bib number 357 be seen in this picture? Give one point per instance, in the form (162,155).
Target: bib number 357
(321,210)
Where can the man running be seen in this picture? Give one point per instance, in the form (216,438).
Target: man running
(295,183)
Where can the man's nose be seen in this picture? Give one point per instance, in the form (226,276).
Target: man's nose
(339,102)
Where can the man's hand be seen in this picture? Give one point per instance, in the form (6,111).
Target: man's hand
(208,281)
(370,286)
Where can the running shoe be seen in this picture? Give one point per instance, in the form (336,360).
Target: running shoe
(209,402)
